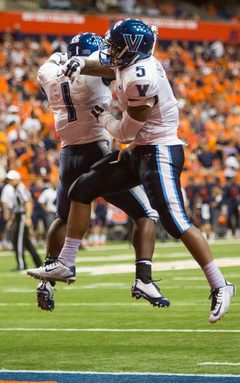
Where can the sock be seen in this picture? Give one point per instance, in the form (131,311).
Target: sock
(90,239)
(103,238)
(69,251)
(144,270)
(96,238)
(214,275)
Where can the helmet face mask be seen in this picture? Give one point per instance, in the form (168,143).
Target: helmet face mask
(110,54)
(127,42)
(84,44)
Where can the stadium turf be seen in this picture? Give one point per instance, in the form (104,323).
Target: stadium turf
(97,326)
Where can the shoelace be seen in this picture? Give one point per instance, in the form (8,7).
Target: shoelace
(56,263)
(48,260)
(153,282)
(213,296)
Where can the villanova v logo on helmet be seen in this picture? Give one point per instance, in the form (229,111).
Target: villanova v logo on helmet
(133,43)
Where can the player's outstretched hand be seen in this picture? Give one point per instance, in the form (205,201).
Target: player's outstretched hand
(96,112)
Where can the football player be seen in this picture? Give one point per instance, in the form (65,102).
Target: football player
(149,122)
(85,141)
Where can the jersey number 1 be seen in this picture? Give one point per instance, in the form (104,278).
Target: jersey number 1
(68,102)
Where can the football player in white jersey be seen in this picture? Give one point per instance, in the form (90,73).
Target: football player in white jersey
(149,122)
(85,141)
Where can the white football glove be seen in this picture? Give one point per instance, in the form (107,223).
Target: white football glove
(72,68)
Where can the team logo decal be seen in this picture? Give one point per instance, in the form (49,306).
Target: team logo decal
(133,42)
(147,158)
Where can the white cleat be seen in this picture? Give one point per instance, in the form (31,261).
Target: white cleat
(55,271)
(45,295)
(221,298)
(150,292)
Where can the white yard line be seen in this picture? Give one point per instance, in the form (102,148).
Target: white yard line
(157,266)
(135,305)
(158,245)
(118,330)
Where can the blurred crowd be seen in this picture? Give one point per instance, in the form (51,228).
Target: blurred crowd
(205,78)
(155,8)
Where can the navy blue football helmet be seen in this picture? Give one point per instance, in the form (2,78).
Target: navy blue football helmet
(127,42)
(84,44)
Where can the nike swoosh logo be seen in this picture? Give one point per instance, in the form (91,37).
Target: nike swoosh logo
(216,314)
(47,271)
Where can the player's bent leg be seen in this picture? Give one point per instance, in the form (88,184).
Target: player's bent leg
(55,237)
(136,205)
(103,179)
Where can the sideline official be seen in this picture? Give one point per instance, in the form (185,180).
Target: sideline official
(20,221)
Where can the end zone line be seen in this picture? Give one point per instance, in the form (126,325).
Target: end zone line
(59,372)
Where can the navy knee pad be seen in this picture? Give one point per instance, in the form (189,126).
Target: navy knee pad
(80,192)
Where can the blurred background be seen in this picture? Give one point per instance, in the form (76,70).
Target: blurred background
(199,47)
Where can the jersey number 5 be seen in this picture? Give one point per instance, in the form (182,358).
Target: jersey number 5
(68,102)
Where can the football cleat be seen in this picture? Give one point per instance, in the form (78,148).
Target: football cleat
(55,271)
(150,292)
(221,298)
(45,296)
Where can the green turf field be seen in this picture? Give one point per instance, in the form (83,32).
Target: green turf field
(97,326)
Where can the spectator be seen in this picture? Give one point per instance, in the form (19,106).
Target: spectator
(17,137)
(231,165)
(59,45)
(232,200)
(41,166)
(39,215)
(207,158)
(31,124)
(217,49)
(99,221)
(12,116)
(215,206)
(191,190)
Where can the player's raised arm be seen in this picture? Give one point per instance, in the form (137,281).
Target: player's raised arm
(79,65)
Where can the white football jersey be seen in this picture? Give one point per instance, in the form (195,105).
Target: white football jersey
(72,102)
(142,84)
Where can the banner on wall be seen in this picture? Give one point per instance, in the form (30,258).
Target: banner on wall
(52,23)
